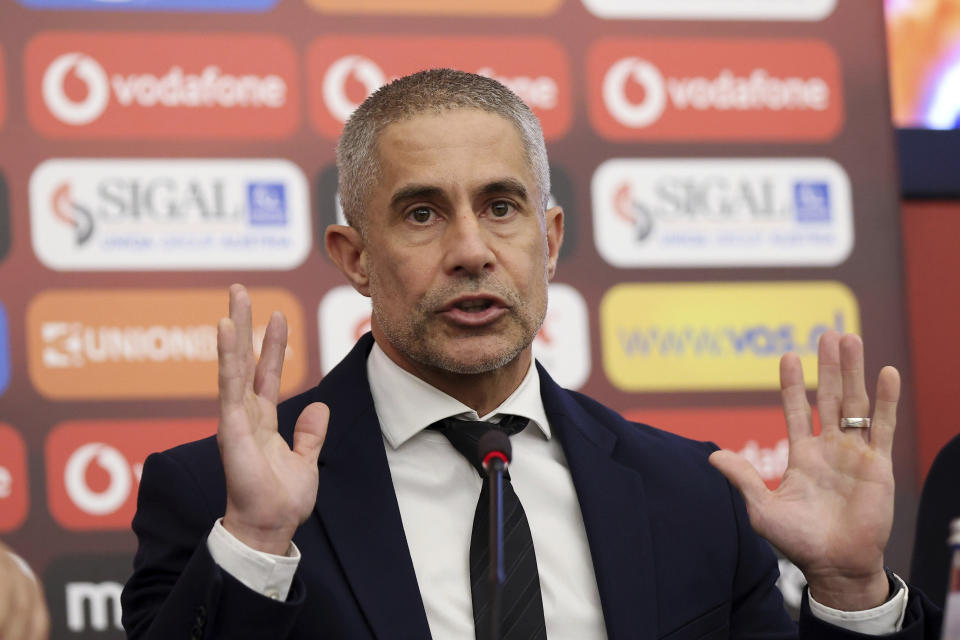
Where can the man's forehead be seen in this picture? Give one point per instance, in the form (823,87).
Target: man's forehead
(474,149)
(432,127)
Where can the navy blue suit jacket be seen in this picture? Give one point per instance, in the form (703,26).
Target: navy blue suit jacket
(673,552)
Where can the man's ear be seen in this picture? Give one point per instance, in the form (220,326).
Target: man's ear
(554,221)
(345,247)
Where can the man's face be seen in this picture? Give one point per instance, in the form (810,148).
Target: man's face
(457,252)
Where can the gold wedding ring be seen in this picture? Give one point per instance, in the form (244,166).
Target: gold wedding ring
(855,423)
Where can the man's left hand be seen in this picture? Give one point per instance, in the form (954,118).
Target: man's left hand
(833,511)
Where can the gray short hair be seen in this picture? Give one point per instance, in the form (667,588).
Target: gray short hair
(434,90)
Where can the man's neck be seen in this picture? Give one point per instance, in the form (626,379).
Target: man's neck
(482,392)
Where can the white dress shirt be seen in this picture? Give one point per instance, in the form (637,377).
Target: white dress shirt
(437,491)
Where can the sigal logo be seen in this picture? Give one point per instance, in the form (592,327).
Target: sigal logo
(94,467)
(717,336)
(562,345)
(219,6)
(712,9)
(169,214)
(14,492)
(150,85)
(343,71)
(722,212)
(420,7)
(707,89)
(85,344)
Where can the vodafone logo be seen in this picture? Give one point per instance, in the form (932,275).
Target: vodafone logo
(120,481)
(94,467)
(343,71)
(150,85)
(714,89)
(93,77)
(356,68)
(646,75)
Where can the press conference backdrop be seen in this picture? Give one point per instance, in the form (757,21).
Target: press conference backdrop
(726,168)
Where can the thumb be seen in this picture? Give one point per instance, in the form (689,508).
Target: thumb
(742,475)
(311,430)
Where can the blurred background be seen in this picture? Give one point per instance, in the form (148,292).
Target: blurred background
(738,176)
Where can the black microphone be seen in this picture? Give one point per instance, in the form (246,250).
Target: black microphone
(494,452)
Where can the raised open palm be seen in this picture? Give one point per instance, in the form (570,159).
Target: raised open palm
(833,511)
(271,488)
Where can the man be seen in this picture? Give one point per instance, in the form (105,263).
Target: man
(362,528)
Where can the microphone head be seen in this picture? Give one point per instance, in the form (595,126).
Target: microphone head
(494,443)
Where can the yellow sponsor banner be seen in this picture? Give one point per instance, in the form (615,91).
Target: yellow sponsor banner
(720,336)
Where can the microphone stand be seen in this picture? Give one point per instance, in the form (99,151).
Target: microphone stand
(494,451)
(495,470)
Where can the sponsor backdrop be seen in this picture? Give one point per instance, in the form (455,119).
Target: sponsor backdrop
(726,167)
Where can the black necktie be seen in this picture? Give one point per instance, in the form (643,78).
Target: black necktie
(522,609)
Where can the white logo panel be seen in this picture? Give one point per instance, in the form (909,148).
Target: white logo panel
(712,9)
(342,317)
(722,212)
(562,345)
(90,214)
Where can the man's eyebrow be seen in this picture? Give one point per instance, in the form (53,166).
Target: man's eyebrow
(415,192)
(509,186)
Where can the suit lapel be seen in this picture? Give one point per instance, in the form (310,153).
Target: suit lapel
(613,504)
(357,506)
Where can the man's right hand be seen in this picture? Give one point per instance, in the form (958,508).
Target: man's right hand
(271,488)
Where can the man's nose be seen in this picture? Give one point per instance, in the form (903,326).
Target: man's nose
(467,245)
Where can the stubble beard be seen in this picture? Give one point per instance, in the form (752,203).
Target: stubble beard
(420,336)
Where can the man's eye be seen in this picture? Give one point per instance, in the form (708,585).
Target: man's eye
(421,215)
(500,209)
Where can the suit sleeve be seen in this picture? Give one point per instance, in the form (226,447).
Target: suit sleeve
(177,590)
(756,608)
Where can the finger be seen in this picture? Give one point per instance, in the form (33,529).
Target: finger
(793,393)
(885,413)
(231,378)
(266,380)
(855,402)
(311,430)
(743,476)
(241,314)
(829,382)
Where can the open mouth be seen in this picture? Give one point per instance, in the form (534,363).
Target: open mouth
(474,310)
(473,306)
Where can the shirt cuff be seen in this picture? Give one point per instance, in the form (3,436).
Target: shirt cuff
(887,618)
(268,574)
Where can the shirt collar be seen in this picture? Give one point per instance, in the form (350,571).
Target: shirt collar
(406,405)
